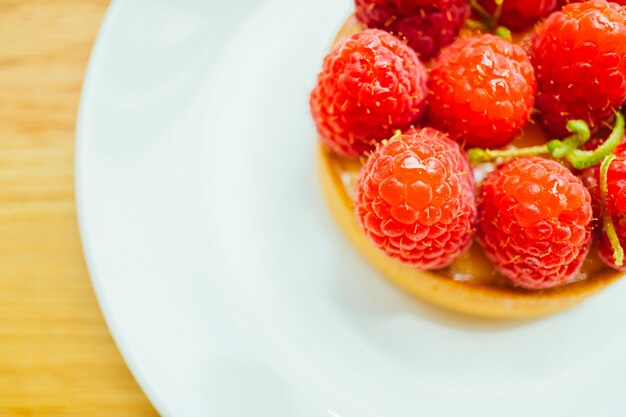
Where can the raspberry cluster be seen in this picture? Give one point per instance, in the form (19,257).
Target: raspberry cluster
(416,197)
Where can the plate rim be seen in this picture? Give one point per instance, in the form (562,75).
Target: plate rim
(80,141)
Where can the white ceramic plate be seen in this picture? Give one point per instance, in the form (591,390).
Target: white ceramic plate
(221,274)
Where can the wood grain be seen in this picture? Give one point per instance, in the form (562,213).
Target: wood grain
(57,357)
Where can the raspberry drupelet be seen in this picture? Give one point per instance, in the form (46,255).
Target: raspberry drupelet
(426,25)
(482,90)
(369,86)
(534,222)
(415,199)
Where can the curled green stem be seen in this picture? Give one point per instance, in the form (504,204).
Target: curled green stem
(580,134)
(582,159)
(609,227)
(567,148)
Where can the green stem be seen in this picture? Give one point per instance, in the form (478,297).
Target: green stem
(609,227)
(489,21)
(475,24)
(582,159)
(580,134)
(498,12)
(484,14)
(556,148)
(504,33)
(477,155)
(561,149)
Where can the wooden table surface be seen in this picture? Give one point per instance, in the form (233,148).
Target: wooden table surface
(57,357)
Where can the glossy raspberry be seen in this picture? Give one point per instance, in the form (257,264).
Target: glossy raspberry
(426,25)
(616,202)
(520,14)
(370,85)
(415,199)
(482,90)
(534,222)
(579,55)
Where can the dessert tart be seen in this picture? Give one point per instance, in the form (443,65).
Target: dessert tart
(469,283)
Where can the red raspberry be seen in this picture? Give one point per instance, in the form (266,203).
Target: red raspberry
(534,222)
(482,90)
(579,55)
(520,14)
(370,85)
(426,25)
(415,199)
(615,201)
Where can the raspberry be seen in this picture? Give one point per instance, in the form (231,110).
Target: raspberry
(534,222)
(615,201)
(520,14)
(482,90)
(426,25)
(370,85)
(579,55)
(415,199)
